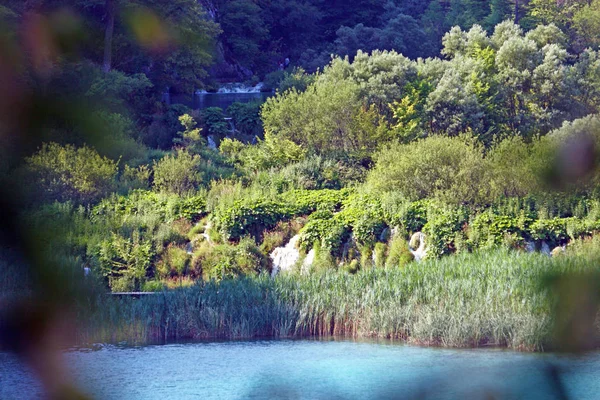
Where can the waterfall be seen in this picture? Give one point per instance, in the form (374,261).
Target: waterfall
(308,261)
(240,88)
(545,249)
(284,258)
(234,88)
(211,143)
(421,251)
(231,125)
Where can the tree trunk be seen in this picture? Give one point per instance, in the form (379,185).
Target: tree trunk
(108,34)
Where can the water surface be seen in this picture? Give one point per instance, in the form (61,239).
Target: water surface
(308,369)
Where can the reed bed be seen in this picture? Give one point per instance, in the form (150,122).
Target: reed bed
(492,298)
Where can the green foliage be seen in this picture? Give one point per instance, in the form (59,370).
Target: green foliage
(271,152)
(167,208)
(399,254)
(443,225)
(489,229)
(246,118)
(119,91)
(327,117)
(225,261)
(312,173)
(190,137)
(253,216)
(213,121)
(178,173)
(174,262)
(67,173)
(125,261)
(449,169)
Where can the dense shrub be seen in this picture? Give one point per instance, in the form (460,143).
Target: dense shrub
(398,254)
(174,262)
(312,173)
(164,127)
(63,173)
(443,225)
(178,173)
(212,121)
(226,261)
(253,216)
(246,118)
(273,151)
(328,117)
(139,202)
(125,261)
(449,169)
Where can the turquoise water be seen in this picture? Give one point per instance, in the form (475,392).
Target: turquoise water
(310,370)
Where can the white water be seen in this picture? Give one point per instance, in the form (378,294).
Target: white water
(235,88)
(284,258)
(421,251)
(211,143)
(308,261)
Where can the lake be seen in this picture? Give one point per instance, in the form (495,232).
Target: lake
(310,369)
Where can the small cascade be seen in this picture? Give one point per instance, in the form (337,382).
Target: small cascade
(308,262)
(284,258)
(231,125)
(211,143)
(205,234)
(545,249)
(529,246)
(420,252)
(240,88)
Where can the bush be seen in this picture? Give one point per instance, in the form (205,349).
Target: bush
(327,117)
(141,203)
(174,262)
(254,216)
(445,168)
(553,231)
(399,254)
(212,121)
(178,173)
(489,229)
(63,173)
(313,173)
(271,152)
(153,286)
(226,261)
(443,224)
(125,261)
(165,127)
(246,117)
(379,254)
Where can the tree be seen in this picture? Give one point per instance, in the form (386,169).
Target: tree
(500,10)
(586,22)
(324,118)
